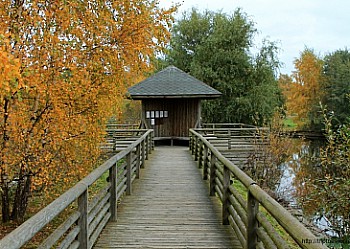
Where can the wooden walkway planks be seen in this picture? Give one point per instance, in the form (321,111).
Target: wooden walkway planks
(169,208)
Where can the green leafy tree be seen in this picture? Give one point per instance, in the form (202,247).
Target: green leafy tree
(337,84)
(215,48)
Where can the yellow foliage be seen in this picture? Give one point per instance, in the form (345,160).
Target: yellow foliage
(302,90)
(64,70)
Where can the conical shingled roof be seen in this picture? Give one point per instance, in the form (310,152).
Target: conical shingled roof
(172,82)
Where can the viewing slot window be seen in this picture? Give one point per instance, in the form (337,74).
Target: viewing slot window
(156,116)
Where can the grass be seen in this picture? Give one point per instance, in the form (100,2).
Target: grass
(289,124)
(242,190)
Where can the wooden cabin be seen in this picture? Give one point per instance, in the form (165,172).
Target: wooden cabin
(171,102)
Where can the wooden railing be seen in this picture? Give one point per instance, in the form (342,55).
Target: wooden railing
(229,137)
(257,219)
(226,125)
(113,125)
(90,215)
(119,139)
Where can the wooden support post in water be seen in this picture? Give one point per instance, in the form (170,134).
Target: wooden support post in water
(113,192)
(213,161)
(252,210)
(128,173)
(138,160)
(205,162)
(225,195)
(83,220)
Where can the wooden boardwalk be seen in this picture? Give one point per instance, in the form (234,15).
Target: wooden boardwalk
(169,208)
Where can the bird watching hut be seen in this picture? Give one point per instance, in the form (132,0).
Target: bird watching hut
(171,103)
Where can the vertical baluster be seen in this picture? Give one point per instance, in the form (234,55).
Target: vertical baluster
(229,139)
(152,140)
(138,160)
(149,140)
(213,161)
(113,192)
(205,163)
(147,148)
(143,152)
(190,142)
(128,174)
(194,150)
(198,156)
(225,195)
(83,220)
(252,210)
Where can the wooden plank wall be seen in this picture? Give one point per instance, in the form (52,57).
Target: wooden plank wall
(183,114)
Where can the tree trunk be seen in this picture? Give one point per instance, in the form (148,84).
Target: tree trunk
(20,201)
(4,177)
(5,205)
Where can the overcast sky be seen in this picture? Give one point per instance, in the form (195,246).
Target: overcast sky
(322,25)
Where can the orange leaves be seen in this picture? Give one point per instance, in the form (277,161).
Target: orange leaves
(75,60)
(302,90)
(10,76)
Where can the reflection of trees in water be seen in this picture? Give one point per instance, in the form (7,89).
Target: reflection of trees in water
(265,164)
(322,183)
(319,176)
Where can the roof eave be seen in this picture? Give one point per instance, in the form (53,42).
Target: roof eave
(192,96)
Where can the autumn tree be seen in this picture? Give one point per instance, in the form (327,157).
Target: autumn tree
(217,49)
(303,90)
(65,66)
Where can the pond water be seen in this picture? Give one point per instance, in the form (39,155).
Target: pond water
(302,159)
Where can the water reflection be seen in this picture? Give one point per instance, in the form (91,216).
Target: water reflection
(302,168)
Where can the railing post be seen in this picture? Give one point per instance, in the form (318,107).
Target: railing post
(198,152)
(213,161)
(152,141)
(149,141)
(229,139)
(194,146)
(83,220)
(114,144)
(252,210)
(146,148)
(205,163)
(138,160)
(128,173)
(113,192)
(143,153)
(225,195)
(190,142)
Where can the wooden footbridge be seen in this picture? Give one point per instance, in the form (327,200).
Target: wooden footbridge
(167,197)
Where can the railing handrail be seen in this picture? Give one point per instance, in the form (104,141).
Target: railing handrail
(233,129)
(227,124)
(126,130)
(32,226)
(292,226)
